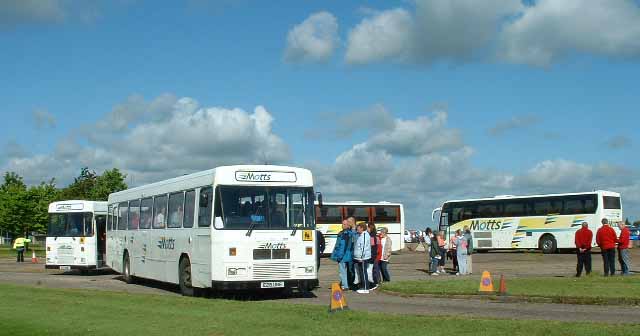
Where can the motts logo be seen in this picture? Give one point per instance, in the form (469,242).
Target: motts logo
(486,225)
(167,243)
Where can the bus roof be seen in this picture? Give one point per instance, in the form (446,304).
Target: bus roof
(78,206)
(249,175)
(502,197)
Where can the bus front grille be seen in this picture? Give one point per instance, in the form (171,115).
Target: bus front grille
(270,271)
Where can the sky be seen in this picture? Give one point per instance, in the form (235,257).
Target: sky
(414,101)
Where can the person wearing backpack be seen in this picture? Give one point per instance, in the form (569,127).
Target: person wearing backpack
(343,253)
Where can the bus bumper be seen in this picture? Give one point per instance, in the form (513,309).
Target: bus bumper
(73,267)
(254,285)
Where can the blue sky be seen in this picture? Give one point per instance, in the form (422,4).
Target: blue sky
(451,100)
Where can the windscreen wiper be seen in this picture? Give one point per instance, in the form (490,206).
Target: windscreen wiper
(295,229)
(253,224)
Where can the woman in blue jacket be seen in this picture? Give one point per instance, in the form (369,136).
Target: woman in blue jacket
(343,253)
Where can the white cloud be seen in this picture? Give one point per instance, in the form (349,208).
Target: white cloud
(513,123)
(33,11)
(421,136)
(44,119)
(382,36)
(550,30)
(152,141)
(618,142)
(313,40)
(451,30)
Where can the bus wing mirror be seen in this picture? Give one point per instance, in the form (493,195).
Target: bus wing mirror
(433,213)
(319,198)
(217,223)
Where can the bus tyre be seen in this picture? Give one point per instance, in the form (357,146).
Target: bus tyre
(548,244)
(126,269)
(186,288)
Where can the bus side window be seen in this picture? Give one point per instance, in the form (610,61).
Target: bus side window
(109,218)
(189,208)
(205,207)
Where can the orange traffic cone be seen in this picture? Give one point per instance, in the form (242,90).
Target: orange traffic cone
(486,284)
(34,259)
(338,301)
(503,285)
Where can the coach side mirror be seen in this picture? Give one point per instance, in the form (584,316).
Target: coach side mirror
(217,223)
(319,198)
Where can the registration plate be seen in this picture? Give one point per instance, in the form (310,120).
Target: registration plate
(272,284)
(65,268)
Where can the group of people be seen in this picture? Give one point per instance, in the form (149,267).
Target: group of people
(362,254)
(608,242)
(459,249)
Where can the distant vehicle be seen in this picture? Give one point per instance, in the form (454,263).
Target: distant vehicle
(76,236)
(382,214)
(545,222)
(634,232)
(233,227)
(408,236)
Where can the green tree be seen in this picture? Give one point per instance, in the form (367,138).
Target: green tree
(109,182)
(39,198)
(81,187)
(14,205)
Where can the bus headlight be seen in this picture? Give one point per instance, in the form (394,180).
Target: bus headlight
(308,269)
(232,251)
(309,250)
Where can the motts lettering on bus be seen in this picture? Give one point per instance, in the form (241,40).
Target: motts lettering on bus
(486,225)
(167,243)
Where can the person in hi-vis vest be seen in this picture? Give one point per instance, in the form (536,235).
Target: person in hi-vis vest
(20,245)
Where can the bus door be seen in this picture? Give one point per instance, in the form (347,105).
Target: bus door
(444,226)
(101,239)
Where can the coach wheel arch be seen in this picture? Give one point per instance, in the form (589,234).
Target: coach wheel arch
(548,244)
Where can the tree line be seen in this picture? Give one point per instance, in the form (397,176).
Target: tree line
(24,209)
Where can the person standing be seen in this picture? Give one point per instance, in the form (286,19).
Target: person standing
(583,239)
(434,253)
(606,240)
(361,256)
(443,252)
(320,246)
(20,245)
(453,250)
(469,239)
(374,266)
(462,250)
(343,253)
(385,243)
(623,249)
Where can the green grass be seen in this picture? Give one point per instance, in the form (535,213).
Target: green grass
(74,312)
(589,290)
(10,252)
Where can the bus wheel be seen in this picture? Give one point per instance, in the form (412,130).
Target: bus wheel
(186,289)
(126,269)
(548,244)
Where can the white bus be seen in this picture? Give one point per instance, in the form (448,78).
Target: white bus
(383,214)
(233,227)
(76,235)
(545,222)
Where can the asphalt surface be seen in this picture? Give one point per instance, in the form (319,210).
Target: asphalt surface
(405,266)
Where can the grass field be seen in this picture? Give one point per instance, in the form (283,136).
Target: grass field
(7,251)
(593,289)
(75,312)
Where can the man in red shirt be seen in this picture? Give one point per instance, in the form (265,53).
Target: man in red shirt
(623,248)
(606,239)
(583,240)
